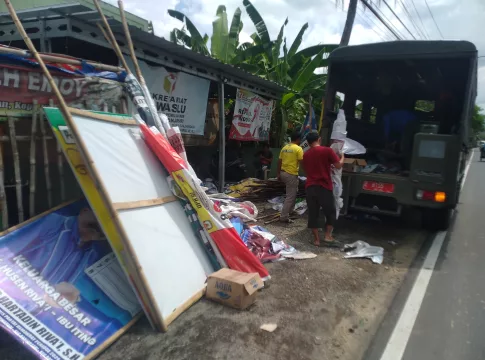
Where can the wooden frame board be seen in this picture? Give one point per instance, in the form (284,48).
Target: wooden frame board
(151,228)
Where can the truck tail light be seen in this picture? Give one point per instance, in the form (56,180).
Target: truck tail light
(437,196)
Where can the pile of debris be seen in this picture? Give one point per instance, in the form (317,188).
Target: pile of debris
(256,190)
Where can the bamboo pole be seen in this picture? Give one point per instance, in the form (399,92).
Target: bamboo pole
(106,199)
(21,138)
(60,164)
(126,29)
(45,153)
(110,36)
(33,162)
(3,198)
(16,164)
(60,59)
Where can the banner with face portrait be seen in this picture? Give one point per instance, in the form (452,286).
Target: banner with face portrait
(252,117)
(63,293)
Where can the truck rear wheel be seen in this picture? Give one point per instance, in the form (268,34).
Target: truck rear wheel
(437,219)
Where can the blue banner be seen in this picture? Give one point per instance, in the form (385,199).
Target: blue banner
(309,124)
(62,291)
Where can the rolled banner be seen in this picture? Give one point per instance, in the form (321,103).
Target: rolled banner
(139,100)
(219,228)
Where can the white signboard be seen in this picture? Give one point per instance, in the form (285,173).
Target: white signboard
(180,96)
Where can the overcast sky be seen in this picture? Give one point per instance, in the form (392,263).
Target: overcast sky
(457,19)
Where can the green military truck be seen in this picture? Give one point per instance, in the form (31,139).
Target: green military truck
(410,104)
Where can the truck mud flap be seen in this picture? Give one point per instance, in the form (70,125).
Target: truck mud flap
(376,210)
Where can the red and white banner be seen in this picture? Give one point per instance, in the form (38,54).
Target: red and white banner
(252,117)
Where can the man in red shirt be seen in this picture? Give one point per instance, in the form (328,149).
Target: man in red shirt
(317,162)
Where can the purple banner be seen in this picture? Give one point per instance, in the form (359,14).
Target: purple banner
(62,291)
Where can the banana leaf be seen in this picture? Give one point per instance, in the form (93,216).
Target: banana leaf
(197,39)
(258,22)
(297,42)
(219,35)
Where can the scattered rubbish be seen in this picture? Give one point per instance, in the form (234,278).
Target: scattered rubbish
(268,327)
(361,249)
(301,255)
(233,288)
(393,243)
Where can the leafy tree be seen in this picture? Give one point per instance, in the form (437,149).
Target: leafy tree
(478,120)
(270,59)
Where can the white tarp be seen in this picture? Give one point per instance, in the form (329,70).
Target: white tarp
(180,96)
(172,259)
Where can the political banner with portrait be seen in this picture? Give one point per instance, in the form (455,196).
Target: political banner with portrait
(63,293)
(252,117)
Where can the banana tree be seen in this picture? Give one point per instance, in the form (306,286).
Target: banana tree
(225,45)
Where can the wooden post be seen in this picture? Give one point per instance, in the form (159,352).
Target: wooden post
(33,162)
(60,164)
(16,164)
(3,198)
(126,29)
(46,163)
(111,37)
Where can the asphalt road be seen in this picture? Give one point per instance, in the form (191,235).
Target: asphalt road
(451,319)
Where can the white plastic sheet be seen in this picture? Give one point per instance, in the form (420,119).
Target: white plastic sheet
(172,259)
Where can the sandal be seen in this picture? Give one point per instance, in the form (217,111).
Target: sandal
(331,243)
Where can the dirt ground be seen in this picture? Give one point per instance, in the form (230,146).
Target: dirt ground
(326,308)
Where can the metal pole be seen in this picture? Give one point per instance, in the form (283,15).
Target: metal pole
(222,136)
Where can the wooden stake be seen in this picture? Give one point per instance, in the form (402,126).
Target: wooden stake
(33,162)
(16,164)
(110,36)
(45,153)
(60,164)
(126,29)
(3,198)
(88,162)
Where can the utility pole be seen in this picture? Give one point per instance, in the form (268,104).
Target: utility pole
(349,23)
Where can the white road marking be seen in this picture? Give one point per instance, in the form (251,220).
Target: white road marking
(402,331)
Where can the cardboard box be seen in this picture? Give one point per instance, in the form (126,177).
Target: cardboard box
(354,165)
(233,288)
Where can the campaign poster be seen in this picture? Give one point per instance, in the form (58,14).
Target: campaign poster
(20,86)
(62,291)
(252,117)
(92,194)
(180,96)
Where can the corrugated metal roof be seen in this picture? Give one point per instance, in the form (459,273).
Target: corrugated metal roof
(206,63)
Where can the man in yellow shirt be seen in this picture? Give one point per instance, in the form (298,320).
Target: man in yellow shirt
(288,167)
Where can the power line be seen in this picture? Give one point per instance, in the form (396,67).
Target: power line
(432,16)
(420,20)
(398,31)
(416,27)
(374,26)
(381,19)
(397,17)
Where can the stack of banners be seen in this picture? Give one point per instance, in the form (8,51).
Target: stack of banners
(213,253)
(252,117)
(21,85)
(148,114)
(235,253)
(63,294)
(165,260)
(338,136)
(180,96)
